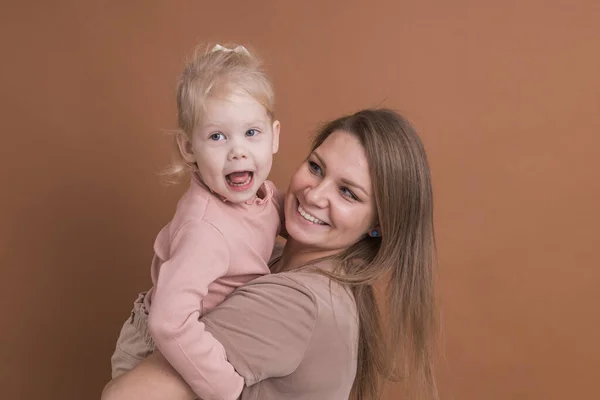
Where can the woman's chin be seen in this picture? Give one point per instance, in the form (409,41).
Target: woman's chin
(302,234)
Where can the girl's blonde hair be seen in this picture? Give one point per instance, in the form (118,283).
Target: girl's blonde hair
(216,71)
(395,342)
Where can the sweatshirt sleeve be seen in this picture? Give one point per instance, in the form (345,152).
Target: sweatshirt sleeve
(265,326)
(199,255)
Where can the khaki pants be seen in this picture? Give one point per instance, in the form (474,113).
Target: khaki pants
(135,342)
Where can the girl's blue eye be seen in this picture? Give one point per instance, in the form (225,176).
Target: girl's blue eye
(251,132)
(348,193)
(314,167)
(217,136)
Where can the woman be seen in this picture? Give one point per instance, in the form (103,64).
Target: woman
(358,210)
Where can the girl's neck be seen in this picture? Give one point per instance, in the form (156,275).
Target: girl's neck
(297,255)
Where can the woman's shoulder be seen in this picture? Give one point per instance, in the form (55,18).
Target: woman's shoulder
(304,283)
(304,280)
(323,291)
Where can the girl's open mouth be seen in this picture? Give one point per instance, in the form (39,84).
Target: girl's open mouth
(240,180)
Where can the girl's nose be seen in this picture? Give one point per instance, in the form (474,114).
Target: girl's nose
(237,152)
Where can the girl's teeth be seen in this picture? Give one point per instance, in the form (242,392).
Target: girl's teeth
(240,183)
(309,217)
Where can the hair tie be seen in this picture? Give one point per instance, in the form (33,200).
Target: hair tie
(238,49)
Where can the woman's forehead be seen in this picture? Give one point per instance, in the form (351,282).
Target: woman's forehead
(344,156)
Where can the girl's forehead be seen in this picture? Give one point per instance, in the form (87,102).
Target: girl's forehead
(233,106)
(238,89)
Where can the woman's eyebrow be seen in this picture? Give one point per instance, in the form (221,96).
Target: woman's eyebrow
(345,181)
(320,159)
(354,185)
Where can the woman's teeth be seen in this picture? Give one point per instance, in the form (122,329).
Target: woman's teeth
(309,217)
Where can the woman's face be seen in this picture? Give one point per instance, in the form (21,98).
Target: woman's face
(329,205)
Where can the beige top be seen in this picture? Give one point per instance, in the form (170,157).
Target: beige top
(291,335)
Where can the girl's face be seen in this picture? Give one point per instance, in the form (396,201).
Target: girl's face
(329,205)
(233,146)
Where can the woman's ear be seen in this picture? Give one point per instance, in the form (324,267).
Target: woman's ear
(375,232)
(185,147)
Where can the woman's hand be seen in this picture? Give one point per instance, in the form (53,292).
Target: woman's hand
(153,379)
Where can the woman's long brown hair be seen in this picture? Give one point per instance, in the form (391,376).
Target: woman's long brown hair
(395,342)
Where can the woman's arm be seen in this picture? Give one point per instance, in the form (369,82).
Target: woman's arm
(153,379)
(265,327)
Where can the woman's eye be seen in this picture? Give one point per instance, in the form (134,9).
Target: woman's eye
(314,167)
(348,193)
(251,132)
(217,136)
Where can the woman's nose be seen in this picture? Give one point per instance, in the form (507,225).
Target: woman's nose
(317,195)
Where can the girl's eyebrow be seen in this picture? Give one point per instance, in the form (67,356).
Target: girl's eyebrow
(258,122)
(211,125)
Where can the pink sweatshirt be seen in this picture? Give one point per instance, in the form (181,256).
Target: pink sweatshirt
(209,248)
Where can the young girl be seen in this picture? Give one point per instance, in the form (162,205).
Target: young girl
(224,228)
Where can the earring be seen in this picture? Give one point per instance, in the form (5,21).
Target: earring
(374,233)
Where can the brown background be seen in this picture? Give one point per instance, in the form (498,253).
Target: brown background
(505,94)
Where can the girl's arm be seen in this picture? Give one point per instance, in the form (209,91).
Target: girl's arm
(199,255)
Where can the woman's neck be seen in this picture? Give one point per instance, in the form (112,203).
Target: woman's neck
(297,255)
